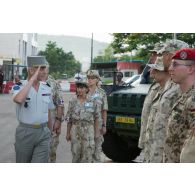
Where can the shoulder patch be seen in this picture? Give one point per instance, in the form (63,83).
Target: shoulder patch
(16,87)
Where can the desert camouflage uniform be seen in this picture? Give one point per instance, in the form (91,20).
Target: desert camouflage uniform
(146,111)
(100,97)
(167,100)
(181,123)
(150,125)
(58,101)
(82,117)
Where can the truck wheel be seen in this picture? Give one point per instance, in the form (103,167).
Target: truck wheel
(118,150)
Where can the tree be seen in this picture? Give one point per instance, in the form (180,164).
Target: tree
(59,61)
(142,42)
(106,56)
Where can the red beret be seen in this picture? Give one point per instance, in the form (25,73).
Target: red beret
(185,54)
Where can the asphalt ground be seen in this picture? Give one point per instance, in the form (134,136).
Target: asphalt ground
(8,124)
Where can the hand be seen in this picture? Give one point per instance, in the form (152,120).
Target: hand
(68,137)
(103,130)
(57,127)
(35,75)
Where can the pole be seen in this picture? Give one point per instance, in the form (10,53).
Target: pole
(91,50)
(175,36)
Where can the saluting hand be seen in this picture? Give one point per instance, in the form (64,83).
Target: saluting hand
(36,72)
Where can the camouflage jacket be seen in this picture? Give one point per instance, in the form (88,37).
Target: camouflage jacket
(150,125)
(165,103)
(100,96)
(181,122)
(146,111)
(87,111)
(56,91)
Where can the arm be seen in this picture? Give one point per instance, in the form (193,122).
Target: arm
(104,121)
(104,114)
(49,124)
(68,136)
(21,95)
(58,119)
(59,102)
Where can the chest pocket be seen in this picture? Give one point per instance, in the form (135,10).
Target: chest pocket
(45,103)
(88,111)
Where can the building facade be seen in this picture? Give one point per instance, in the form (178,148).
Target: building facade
(14,49)
(17,46)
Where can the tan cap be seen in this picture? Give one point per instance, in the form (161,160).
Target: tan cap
(158,65)
(173,45)
(157,47)
(36,61)
(93,73)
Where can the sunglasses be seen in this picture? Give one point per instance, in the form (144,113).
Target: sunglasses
(92,77)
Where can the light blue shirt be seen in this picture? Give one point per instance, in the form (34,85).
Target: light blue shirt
(34,110)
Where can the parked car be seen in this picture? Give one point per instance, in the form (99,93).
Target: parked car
(130,80)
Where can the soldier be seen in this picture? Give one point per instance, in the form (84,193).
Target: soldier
(169,95)
(83,117)
(33,100)
(160,77)
(162,103)
(57,114)
(148,101)
(181,123)
(99,95)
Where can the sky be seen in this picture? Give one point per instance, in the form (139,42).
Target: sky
(102,37)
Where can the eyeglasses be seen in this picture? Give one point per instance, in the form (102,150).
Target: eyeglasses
(91,77)
(175,64)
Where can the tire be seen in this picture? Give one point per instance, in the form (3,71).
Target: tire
(119,150)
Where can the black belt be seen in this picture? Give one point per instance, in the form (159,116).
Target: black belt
(34,126)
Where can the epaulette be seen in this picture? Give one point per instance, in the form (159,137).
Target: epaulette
(16,87)
(48,84)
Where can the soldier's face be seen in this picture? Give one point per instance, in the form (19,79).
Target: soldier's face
(167,58)
(42,73)
(81,90)
(178,71)
(157,75)
(153,57)
(92,80)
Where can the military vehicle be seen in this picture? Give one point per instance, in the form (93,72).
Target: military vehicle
(124,118)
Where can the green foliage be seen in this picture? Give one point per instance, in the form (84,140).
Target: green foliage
(143,42)
(59,61)
(106,56)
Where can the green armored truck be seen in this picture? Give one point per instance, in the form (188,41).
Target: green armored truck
(124,118)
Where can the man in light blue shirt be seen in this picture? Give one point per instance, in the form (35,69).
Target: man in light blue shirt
(33,100)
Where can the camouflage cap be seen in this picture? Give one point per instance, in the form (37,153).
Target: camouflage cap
(93,73)
(36,61)
(158,65)
(81,81)
(173,45)
(157,47)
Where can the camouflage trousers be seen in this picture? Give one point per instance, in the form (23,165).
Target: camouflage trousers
(82,142)
(53,147)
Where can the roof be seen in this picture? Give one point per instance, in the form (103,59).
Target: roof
(112,64)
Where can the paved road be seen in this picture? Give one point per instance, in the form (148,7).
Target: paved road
(8,124)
